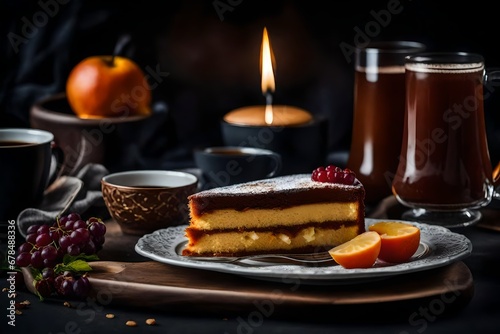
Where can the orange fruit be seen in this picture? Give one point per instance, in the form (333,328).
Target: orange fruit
(399,240)
(106,86)
(360,252)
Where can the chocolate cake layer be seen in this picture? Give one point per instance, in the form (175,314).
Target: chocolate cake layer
(281,192)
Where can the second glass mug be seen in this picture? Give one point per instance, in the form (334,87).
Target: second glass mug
(379,104)
(445,173)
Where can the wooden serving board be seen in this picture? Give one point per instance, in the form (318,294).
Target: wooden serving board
(139,283)
(156,285)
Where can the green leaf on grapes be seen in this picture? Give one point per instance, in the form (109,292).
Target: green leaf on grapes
(79,266)
(76,266)
(37,274)
(70,258)
(35,281)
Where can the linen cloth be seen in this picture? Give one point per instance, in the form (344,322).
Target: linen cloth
(80,194)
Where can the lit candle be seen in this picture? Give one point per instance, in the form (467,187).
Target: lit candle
(271,115)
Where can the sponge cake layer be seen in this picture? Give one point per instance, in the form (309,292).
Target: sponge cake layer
(309,239)
(258,218)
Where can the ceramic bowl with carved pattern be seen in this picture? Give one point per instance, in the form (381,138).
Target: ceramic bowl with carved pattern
(147,200)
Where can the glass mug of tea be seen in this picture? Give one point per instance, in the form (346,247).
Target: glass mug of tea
(379,107)
(445,173)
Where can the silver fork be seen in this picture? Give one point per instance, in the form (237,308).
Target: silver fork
(307,258)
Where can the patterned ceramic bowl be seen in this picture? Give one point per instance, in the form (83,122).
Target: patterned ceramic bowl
(144,201)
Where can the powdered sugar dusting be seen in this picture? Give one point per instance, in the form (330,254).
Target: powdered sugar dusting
(279,184)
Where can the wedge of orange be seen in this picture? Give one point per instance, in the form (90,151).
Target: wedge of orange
(399,240)
(360,252)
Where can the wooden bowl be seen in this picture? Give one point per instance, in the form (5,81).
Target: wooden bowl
(83,141)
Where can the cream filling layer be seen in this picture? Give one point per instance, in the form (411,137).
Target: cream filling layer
(234,242)
(258,218)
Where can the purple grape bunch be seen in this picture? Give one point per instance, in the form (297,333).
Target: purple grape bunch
(47,248)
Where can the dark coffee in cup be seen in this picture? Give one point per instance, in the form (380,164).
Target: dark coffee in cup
(302,148)
(223,166)
(227,152)
(13,143)
(26,158)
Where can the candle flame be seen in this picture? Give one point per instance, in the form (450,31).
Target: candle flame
(267,75)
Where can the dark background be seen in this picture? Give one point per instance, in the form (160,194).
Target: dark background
(211,51)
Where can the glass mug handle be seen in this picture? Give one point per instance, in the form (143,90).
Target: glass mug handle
(491,83)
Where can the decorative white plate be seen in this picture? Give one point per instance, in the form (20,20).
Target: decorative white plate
(438,247)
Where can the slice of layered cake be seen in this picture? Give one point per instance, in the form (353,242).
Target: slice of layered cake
(289,214)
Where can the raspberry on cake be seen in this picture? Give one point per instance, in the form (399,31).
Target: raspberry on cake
(288,214)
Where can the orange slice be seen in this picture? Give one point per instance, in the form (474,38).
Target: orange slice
(360,252)
(399,240)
